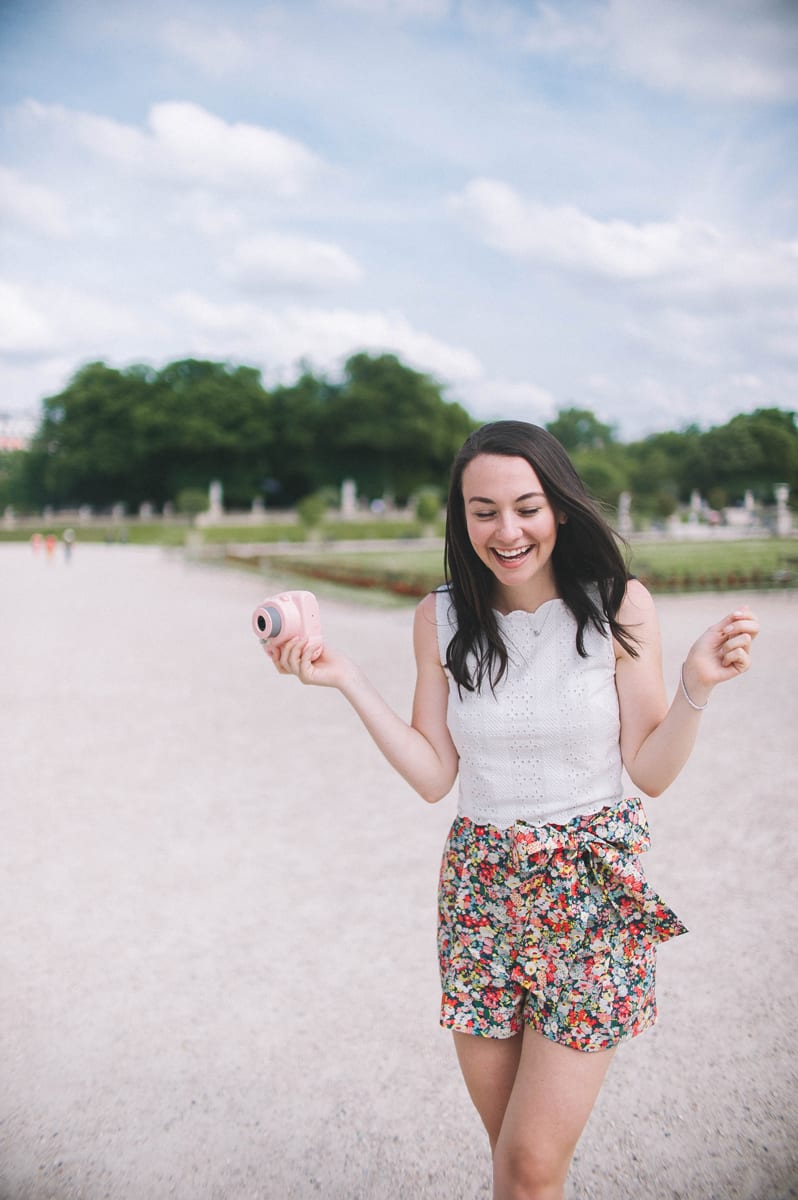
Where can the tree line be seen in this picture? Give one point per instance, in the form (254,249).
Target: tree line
(143,435)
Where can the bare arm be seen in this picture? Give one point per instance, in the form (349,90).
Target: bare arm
(421,751)
(656,739)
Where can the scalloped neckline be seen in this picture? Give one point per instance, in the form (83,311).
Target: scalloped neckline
(525,612)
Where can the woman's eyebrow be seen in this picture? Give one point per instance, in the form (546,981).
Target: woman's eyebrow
(487,500)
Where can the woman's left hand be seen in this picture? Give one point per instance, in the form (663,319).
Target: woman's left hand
(721,653)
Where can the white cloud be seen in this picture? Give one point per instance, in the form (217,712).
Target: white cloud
(425,10)
(747,382)
(31,205)
(216,49)
(24,381)
(200,211)
(650,404)
(24,329)
(45,320)
(496,398)
(554,30)
(685,256)
(202,146)
(700,339)
(782,335)
(275,261)
(187,142)
(324,336)
(122,144)
(567,237)
(715,50)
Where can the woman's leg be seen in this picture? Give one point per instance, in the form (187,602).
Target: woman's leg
(489,1067)
(534,1097)
(552,1096)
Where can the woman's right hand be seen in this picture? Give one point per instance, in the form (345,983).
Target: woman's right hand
(298,657)
(422,751)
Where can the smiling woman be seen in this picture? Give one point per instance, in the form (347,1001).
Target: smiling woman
(512,526)
(539,678)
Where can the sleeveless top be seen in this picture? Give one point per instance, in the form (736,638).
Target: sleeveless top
(544,746)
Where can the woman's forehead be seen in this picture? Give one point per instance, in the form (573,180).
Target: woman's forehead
(502,475)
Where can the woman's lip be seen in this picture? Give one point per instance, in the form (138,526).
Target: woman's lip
(514,559)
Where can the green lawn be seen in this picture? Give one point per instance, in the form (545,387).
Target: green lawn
(173,532)
(656,556)
(664,566)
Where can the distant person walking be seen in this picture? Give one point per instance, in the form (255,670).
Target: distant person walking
(68,540)
(539,678)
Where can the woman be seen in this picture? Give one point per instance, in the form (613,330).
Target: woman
(539,678)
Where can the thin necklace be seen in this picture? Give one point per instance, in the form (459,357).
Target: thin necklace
(537,632)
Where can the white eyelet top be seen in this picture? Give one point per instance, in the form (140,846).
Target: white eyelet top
(544,747)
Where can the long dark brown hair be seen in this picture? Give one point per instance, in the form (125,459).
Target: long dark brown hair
(586,559)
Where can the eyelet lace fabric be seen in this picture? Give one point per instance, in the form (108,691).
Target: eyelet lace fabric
(543,747)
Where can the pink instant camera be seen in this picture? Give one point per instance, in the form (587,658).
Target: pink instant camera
(291,614)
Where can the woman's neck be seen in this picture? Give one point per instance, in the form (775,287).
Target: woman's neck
(525,597)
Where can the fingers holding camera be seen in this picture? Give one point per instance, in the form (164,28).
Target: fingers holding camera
(285,655)
(309,661)
(273,652)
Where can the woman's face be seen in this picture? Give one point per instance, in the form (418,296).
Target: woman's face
(511,525)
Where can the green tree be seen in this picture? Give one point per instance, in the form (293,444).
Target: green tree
(205,421)
(580,429)
(660,470)
(299,459)
(311,510)
(603,474)
(389,428)
(15,489)
(86,449)
(138,435)
(752,450)
(191,501)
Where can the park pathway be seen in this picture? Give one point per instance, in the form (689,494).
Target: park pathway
(217,963)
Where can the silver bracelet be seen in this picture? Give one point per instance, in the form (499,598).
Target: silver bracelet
(686,694)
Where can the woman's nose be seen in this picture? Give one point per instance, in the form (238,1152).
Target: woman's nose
(508,526)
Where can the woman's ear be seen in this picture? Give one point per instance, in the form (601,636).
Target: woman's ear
(562,518)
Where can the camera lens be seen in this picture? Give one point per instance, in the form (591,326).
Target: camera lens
(269,621)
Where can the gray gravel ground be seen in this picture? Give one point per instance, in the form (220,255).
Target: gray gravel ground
(217,963)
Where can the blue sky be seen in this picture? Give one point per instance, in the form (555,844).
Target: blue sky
(589,203)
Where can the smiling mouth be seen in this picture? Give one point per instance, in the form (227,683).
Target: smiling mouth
(512,556)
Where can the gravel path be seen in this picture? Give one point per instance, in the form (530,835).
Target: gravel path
(217,963)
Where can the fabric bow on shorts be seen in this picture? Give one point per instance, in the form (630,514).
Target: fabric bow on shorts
(554,926)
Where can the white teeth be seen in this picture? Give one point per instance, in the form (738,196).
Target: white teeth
(512,553)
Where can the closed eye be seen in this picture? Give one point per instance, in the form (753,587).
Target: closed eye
(522,512)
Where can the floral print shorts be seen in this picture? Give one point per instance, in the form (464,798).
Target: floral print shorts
(552,927)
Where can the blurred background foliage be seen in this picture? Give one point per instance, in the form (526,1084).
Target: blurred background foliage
(140,435)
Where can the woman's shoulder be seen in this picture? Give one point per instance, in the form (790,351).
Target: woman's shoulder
(436,607)
(637,601)
(428,607)
(432,623)
(638,616)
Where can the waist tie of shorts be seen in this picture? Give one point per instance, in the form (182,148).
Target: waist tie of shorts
(560,880)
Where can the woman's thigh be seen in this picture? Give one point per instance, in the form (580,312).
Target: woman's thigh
(553,1093)
(489,1066)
